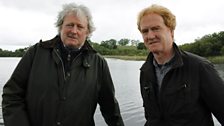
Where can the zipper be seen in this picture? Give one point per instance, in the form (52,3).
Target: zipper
(183,86)
(61,62)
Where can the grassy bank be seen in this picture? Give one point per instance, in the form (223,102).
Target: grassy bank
(214,60)
(138,58)
(217,59)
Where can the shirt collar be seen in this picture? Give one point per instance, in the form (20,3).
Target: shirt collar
(168,63)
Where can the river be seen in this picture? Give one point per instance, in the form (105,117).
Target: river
(125,76)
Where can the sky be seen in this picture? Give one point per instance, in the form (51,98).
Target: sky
(24,22)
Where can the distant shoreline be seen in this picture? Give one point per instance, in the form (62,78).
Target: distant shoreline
(136,58)
(214,59)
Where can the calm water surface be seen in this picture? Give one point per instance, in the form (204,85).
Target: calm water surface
(125,76)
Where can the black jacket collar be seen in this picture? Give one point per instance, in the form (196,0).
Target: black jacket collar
(177,63)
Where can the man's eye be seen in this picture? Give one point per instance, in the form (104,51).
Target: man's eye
(70,25)
(80,26)
(144,31)
(155,29)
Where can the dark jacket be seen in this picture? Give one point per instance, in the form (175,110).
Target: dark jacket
(40,93)
(190,92)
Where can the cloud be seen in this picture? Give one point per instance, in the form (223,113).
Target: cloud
(25,22)
(198,18)
(22,27)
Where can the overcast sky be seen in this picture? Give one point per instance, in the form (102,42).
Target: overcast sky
(25,22)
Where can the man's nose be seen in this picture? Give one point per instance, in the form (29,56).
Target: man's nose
(74,29)
(150,34)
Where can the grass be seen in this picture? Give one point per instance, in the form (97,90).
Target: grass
(127,47)
(214,59)
(138,58)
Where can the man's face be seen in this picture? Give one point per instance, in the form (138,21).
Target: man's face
(74,30)
(158,38)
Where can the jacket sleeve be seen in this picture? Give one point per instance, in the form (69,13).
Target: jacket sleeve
(212,90)
(108,104)
(14,92)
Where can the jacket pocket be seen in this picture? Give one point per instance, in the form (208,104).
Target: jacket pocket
(146,91)
(149,101)
(179,92)
(177,99)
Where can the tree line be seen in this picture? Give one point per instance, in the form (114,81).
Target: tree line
(16,53)
(108,47)
(208,45)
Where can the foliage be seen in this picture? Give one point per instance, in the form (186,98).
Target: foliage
(222,51)
(123,42)
(134,42)
(216,59)
(110,44)
(208,45)
(141,46)
(16,53)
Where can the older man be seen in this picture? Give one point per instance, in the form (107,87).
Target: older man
(60,81)
(178,88)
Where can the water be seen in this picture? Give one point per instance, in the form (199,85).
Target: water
(125,76)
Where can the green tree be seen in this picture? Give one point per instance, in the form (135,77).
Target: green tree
(123,42)
(134,42)
(110,44)
(208,45)
(141,46)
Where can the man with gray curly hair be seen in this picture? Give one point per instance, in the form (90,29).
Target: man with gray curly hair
(59,82)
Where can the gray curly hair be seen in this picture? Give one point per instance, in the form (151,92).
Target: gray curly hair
(77,10)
